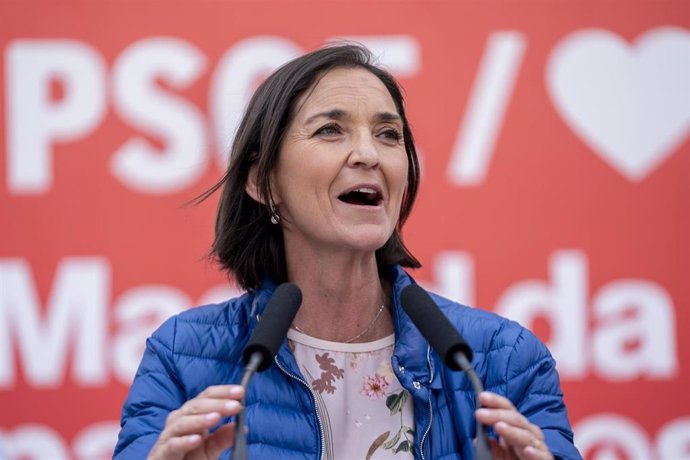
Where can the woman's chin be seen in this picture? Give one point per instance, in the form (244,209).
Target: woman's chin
(367,242)
(356,239)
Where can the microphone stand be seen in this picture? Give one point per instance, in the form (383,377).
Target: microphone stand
(239,451)
(481,451)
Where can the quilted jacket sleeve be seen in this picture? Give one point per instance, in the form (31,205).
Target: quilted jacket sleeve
(533,386)
(154,393)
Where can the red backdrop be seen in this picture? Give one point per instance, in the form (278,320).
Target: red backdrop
(556,164)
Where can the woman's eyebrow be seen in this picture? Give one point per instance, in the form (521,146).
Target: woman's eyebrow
(339,114)
(334,114)
(387,116)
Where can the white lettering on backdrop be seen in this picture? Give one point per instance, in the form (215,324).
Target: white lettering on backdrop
(76,317)
(486,108)
(75,320)
(34,121)
(602,348)
(178,123)
(613,434)
(39,442)
(77,313)
(236,78)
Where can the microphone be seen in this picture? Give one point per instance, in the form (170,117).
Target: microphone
(263,346)
(448,344)
(272,329)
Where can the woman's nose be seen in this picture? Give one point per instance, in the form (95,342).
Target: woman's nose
(364,152)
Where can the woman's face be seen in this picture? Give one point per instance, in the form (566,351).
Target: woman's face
(342,169)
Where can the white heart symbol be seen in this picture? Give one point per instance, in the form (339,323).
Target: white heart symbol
(629,103)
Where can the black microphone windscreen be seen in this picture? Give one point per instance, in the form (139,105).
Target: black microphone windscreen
(274,324)
(434,325)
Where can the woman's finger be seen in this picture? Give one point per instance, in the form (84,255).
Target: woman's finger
(498,408)
(174,448)
(522,441)
(511,417)
(493,416)
(495,401)
(499,452)
(199,405)
(518,443)
(518,438)
(223,438)
(187,427)
(223,391)
(537,453)
(191,424)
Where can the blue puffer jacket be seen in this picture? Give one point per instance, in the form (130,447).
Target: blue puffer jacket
(203,347)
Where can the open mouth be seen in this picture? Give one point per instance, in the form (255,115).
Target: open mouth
(363,196)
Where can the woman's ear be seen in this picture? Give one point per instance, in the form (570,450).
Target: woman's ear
(252,186)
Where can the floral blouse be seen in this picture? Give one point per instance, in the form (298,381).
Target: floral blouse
(363,410)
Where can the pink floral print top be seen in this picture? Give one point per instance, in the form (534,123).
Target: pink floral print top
(364,412)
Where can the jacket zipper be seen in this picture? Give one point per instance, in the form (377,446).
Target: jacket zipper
(428,428)
(313,397)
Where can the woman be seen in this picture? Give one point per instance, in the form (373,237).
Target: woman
(323,174)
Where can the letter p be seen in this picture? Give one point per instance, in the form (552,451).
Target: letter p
(34,120)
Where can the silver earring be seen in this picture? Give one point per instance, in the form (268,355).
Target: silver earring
(275,217)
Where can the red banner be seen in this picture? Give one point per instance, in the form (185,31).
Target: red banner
(556,163)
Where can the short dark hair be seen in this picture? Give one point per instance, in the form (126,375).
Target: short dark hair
(246,244)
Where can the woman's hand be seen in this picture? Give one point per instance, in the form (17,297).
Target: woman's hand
(519,439)
(186,436)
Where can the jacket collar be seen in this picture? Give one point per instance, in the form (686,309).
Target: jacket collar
(259,301)
(412,351)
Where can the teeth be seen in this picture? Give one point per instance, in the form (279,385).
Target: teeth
(367,196)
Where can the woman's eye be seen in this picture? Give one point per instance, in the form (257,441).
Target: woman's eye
(328,130)
(392,134)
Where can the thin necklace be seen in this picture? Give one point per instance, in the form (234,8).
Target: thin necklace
(350,340)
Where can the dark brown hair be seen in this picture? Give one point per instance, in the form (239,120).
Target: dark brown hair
(246,243)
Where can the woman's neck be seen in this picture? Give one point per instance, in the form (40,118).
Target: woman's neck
(342,295)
